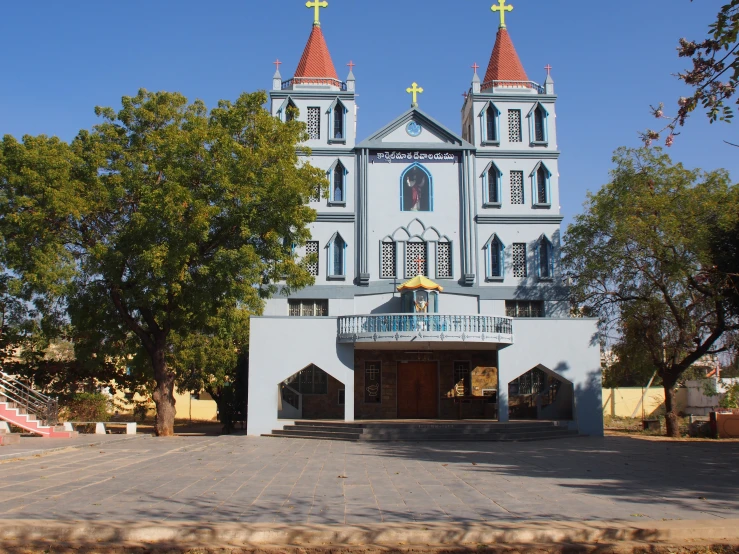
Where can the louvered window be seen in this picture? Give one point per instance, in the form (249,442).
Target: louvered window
(519,260)
(443,260)
(311,247)
(314,123)
(516,187)
(514,126)
(388,260)
(493,185)
(539,122)
(542,175)
(491,127)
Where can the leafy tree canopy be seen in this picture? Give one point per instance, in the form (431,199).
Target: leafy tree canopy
(158,220)
(640,258)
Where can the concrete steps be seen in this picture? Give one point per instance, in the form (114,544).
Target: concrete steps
(424,431)
(16,416)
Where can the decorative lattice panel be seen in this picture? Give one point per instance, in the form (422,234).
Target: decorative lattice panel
(493,186)
(314,123)
(413,252)
(311,247)
(316,194)
(516,187)
(541,186)
(519,260)
(444,259)
(388,259)
(514,125)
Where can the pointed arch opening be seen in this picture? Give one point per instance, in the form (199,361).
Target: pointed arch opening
(541,186)
(416,189)
(337,177)
(540,394)
(337,122)
(336,257)
(538,125)
(311,393)
(494,265)
(492,178)
(545,259)
(490,119)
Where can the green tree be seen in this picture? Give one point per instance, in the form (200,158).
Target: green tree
(714,76)
(640,258)
(160,217)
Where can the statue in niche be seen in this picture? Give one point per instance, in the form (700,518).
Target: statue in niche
(416,191)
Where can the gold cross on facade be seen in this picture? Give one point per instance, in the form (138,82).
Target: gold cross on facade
(317,4)
(502,8)
(415,90)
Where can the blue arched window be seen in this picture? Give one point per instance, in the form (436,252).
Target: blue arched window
(336,257)
(494,258)
(545,258)
(491,181)
(337,176)
(490,124)
(416,190)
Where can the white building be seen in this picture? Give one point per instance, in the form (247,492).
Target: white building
(477,215)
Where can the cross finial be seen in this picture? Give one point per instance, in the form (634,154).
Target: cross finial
(277,63)
(415,90)
(475,67)
(502,8)
(420,261)
(317,4)
(548,68)
(351,65)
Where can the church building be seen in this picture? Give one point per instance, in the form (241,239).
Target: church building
(438,289)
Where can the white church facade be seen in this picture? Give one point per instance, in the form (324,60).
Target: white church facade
(438,290)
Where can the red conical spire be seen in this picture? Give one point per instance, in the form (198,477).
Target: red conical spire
(504,62)
(316,61)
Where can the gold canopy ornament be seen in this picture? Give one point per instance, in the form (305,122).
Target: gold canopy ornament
(317,4)
(420,282)
(502,8)
(415,90)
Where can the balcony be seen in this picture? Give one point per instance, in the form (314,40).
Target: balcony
(419,328)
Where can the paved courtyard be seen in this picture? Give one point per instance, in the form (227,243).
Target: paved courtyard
(263,480)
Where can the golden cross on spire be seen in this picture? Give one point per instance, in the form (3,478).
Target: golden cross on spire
(502,8)
(317,4)
(415,90)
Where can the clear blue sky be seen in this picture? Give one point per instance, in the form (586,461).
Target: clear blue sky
(611,61)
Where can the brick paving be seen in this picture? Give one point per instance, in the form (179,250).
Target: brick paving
(264,480)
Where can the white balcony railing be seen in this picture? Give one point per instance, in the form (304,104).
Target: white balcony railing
(425,328)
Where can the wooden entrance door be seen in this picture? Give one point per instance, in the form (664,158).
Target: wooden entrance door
(418,390)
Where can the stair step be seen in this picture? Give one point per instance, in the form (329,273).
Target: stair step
(309,437)
(322,434)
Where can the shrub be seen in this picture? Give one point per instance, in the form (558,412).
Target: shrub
(87,406)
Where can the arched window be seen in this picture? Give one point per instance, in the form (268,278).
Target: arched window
(291,111)
(494,258)
(336,256)
(339,121)
(540,185)
(538,117)
(542,175)
(546,266)
(492,179)
(416,190)
(338,183)
(491,131)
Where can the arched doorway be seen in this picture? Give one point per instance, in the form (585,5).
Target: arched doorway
(540,393)
(311,393)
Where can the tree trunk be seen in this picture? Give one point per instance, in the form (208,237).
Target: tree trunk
(671,419)
(163,394)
